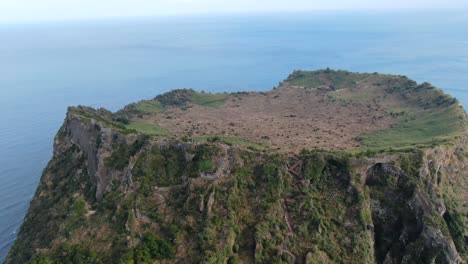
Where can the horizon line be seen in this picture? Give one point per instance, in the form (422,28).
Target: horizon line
(226,14)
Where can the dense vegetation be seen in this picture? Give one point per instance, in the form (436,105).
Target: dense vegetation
(262,213)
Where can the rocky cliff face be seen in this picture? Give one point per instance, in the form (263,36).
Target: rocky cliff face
(95,142)
(114,195)
(216,203)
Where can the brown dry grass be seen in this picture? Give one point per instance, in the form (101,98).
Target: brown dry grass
(288,119)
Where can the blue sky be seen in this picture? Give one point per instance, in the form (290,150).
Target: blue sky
(43,10)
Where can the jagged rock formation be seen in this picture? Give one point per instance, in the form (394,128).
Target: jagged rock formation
(142,186)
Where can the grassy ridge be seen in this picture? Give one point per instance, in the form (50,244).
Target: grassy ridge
(147,128)
(422,113)
(150,107)
(338,79)
(178,98)
(420,128)
(209,99)
(175,98)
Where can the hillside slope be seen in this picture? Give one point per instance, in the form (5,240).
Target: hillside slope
(330,167)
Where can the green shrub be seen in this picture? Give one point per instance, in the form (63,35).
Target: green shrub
(76,254)
(153,247)
(213,139)
(122,119)
(122,152)
(205,165)
(154,215)
(160,166)
(457,230)
(41,259)
(269,178)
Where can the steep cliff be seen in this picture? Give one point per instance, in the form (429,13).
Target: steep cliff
(157,182)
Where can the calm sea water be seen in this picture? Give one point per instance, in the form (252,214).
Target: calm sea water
(46,67)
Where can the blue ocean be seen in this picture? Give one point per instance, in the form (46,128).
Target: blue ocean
(45,67)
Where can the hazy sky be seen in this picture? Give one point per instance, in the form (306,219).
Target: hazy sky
(33,10)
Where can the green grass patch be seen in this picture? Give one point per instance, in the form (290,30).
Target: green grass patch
(420,128)
(339,79)
(232,141)
(104,118)
(209,99)
(147,128)
(206,165)
(305,79)
(140,108)
(150,107)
